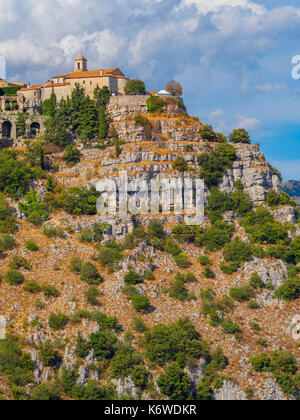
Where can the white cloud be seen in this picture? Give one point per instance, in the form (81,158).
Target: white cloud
(207,6)
(247,122)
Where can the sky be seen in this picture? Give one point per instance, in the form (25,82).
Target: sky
(233,57)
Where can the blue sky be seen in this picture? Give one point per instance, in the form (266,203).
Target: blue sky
(233,57)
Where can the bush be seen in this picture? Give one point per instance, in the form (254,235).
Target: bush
(31,246)
(132,278)
(237,252)
(186,233)
(182,260)
(32,287)
(139,324)
(58,321)
(123,362)
(14,278)
(135,87)
(140,377)
(204,260)
(215,237)
(110,255)
(175,383)
(256,282)
(204,392)
(45,392)
(261,363)
(106,322)
(208,273)
(95,234)
(289,291)
(180,164)
(242,294)
(104,344)
(155,104)
(50,291)
(178,290)
(7,219)
(140,303)
(275,199)
(49,356)
(53,232)
(215,164)
(156,229)
(91,295)
(76,265)
(16,365)
(79,201)
(19,262)
(90,274)
(240,136)
(229,327)
(72,155)
(167,343)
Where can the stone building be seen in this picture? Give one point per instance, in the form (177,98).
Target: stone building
(63,85)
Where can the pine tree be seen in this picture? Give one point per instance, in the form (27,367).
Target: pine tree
(21,125)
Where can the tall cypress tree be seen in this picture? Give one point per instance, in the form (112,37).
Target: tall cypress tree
(21,125)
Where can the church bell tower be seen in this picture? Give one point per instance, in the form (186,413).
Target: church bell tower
(80,63)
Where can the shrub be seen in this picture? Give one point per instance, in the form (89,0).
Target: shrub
(240,136)
(253,305)
(229,327)
(72,155)
(215,237)
(140,303)
(156,229)
(275,199)
(90,274)
(174,383)
(76,265)
(7,219)
(104,344)
(215,164)
(178,290)
(32,246)
(123,362)
(140,377)
(204,392)
(155,104)
(110,255)
(82,348)
(182,260)
(91,295)
(242,294)
(132,278)
(237,252)
(141,121)
(79,201)
(50,291)
(256,282)
(149,276)
(32,287)
(45,392)
(19,262)
(171,247)
(95,234)
(58,321)
(289,291)
(53,232)
(166,343)
(180,164)
(14,278)
(204,260)
(50,357)
(16,365)
(139,324)
(208,273)
(106,322)
(186,233)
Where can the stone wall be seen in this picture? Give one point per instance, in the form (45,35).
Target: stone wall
(8,129)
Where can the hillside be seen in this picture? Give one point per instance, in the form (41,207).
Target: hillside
(293,189)
(111,306)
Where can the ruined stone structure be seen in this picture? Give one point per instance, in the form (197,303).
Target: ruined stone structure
(8,129)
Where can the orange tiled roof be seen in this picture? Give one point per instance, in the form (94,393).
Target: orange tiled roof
(33,87)
(61,75)
(56,85)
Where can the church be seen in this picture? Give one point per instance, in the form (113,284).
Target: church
(64,84)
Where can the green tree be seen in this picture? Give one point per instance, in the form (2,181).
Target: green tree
(240,136)
(135,87)
(21,124)
(175,383)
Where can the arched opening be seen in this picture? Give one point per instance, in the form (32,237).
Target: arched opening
(6,129)
(35,129)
